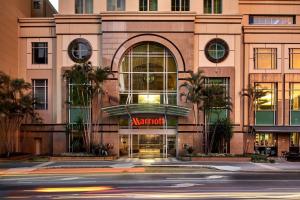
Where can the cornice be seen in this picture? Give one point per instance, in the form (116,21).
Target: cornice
(263,29)
(269,2)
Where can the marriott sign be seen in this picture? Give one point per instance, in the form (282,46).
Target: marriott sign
(147,121)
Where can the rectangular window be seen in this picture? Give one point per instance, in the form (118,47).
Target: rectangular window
(294,57)
(265,58)
(219,112)
(294,140)
(148,5)
(83,6)
(266,143)
(271,20)
(37,4)
(180,5)
(40,93)
(265,107)
(213,7)
(39,52)
(295,103)
(115,5)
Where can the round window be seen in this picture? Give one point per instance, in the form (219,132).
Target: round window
(80,50)
(216,50)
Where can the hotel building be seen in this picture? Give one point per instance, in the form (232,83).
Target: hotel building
(151,45)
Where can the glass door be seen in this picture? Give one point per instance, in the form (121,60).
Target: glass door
(150,146)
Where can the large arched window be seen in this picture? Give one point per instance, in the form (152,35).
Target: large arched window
(148,74)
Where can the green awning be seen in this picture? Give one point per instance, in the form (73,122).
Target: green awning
(133,109)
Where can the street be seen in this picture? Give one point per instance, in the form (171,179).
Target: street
(172,185)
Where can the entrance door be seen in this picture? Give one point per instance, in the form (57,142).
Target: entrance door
(150,146)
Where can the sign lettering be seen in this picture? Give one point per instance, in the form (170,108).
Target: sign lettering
(147,121)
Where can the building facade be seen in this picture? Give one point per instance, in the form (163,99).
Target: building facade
(151,45)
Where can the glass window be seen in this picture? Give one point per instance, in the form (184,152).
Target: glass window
(272,20)
(216,50)
(180,5)
(148,5)
(294,55)
(80,50)
(219,112)
(149,71)
(39,53)
(212,6)
(265,140)
(266,105)
(37,4)
(295,103)
(294,139)
(115,5)
(265,58)
(83,6)
(40,93)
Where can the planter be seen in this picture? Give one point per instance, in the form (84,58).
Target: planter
(217,159)
(82,158)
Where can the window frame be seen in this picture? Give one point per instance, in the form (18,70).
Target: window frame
(45,86)
(144,8)
(212,10)
(118,7)
(274,57)
(180,5)
(291,60)
(71,50)
(84,9)
(291,101)
(271,17)
(220,42)
(33,48)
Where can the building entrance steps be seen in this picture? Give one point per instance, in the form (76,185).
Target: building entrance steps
(148,160)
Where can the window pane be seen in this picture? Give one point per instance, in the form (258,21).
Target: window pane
(156,81)
(207,6)
(272,20)
(294,139)
(78,6)
(268,101)
(89,6)
(143,5)
(295,96)
(156,64)
(294,58)
(39,53)
(139,81)
(40,93)
(153,5)
(124,82)
(139,64)
(172,82)
(121,5)
(265,58)
(217,6)
(125,64)
(185,5)
(172,66)
(175,5)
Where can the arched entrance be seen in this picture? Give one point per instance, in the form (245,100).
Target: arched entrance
(148,75)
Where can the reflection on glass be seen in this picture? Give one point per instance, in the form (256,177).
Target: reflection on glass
(151,99)
(294,58)
(216,51)
(125,64)
(267,102)
(295,96)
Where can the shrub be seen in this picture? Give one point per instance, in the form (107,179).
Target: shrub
(259,158)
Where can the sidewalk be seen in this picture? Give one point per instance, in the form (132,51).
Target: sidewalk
(137,166)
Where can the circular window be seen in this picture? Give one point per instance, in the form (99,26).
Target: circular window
(80,50)
(216,50)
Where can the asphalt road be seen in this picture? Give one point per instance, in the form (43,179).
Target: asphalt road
(206,185)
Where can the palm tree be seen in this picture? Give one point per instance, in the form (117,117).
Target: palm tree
(254,96)
(215,101)
(87,84)
(97,77)
(16,107)
(194,87)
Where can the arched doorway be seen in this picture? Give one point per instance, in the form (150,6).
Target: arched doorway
(148,76)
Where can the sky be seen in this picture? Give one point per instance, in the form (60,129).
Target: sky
(54,3)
